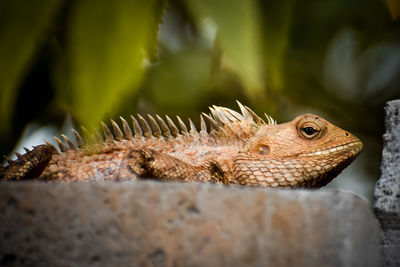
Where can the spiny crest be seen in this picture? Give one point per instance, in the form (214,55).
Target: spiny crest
(222,121)
(224,117)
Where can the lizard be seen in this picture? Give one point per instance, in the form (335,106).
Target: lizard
(235,149)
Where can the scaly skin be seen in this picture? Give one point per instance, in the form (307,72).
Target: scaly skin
(239,149)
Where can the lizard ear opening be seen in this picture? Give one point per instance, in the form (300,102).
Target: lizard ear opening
(263,150)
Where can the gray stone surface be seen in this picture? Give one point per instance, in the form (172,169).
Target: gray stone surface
(387,190)
(169,224)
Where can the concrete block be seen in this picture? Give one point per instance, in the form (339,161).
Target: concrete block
(145,223)
(387,190)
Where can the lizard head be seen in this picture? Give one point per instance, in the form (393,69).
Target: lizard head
(319,149)
(307,135)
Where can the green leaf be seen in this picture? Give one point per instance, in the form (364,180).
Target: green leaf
(276,23)
(239,37)
(22,23)
(155,21)
(104,56)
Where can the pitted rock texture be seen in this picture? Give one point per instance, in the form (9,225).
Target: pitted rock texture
(387,190)
(148,223)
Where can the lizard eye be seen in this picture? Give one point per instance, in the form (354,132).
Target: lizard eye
(310,131)
(310,128)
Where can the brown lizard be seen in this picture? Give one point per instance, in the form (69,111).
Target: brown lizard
(238,149)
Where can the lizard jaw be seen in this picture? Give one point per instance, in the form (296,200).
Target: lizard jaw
(354,146)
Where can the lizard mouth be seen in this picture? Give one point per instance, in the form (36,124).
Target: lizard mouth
(354,146)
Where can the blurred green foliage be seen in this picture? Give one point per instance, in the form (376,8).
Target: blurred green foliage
(100,59)
(238,36)
(22,24)
(103,55)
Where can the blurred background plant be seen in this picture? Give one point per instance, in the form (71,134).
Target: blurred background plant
(66,63)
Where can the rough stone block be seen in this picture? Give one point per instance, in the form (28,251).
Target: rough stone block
(387,190)
(171,224)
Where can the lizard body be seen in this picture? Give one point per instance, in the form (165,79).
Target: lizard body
(238,149)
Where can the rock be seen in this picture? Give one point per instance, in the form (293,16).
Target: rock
(387,190)
(147,223)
